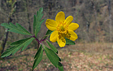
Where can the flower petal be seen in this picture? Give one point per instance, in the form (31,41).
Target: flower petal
(68,20)
(73,35)
(60,16)
(73,26)
(61,41)
(51,24)
(53,36)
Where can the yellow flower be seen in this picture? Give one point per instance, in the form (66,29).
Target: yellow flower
(62,28)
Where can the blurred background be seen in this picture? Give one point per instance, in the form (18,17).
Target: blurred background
(95,34)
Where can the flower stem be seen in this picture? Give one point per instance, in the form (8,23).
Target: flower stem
(37,41)
(43,40)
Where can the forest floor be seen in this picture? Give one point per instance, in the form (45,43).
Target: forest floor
(79,57)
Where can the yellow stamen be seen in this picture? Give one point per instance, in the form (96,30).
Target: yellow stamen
(62,28)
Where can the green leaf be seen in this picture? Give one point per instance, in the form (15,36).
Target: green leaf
(60,67)
(38,26)
(52,47)
(17,45)
(27,43)
(22,28)
(38,57)
(16,49)
(5,25)
(11,50)
(34,23)
(48,33)
(69,42)
(24,44)
(39,14)
(19,42)
(41,10)
(38,21)
(52,56)
(7,52)
(17,29)
(12,25)
(38,51)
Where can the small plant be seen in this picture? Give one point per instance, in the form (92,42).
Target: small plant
(60,30)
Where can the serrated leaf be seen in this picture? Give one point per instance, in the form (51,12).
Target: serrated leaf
(38,21)
(39,17)
(17,29)
(7,52)
(22,28)
(5,25)
(52,56)
(39,14)
(38,26)
(27,43)
(16,49)
(12,25)
(24,44)
(41,10)
(52,47)
(11,50)
(19,42)
(38,57)
(69,42)
(16,46)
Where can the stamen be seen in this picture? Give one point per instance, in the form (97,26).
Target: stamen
(62,28)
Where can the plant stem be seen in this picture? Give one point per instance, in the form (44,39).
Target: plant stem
(37,41)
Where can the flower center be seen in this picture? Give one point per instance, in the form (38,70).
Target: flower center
(61,28)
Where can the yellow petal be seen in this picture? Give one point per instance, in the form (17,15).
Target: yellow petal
(53,36)
(73,35)
(61,41)
(73,26)
(51,24)
(60,16)
(68,20)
